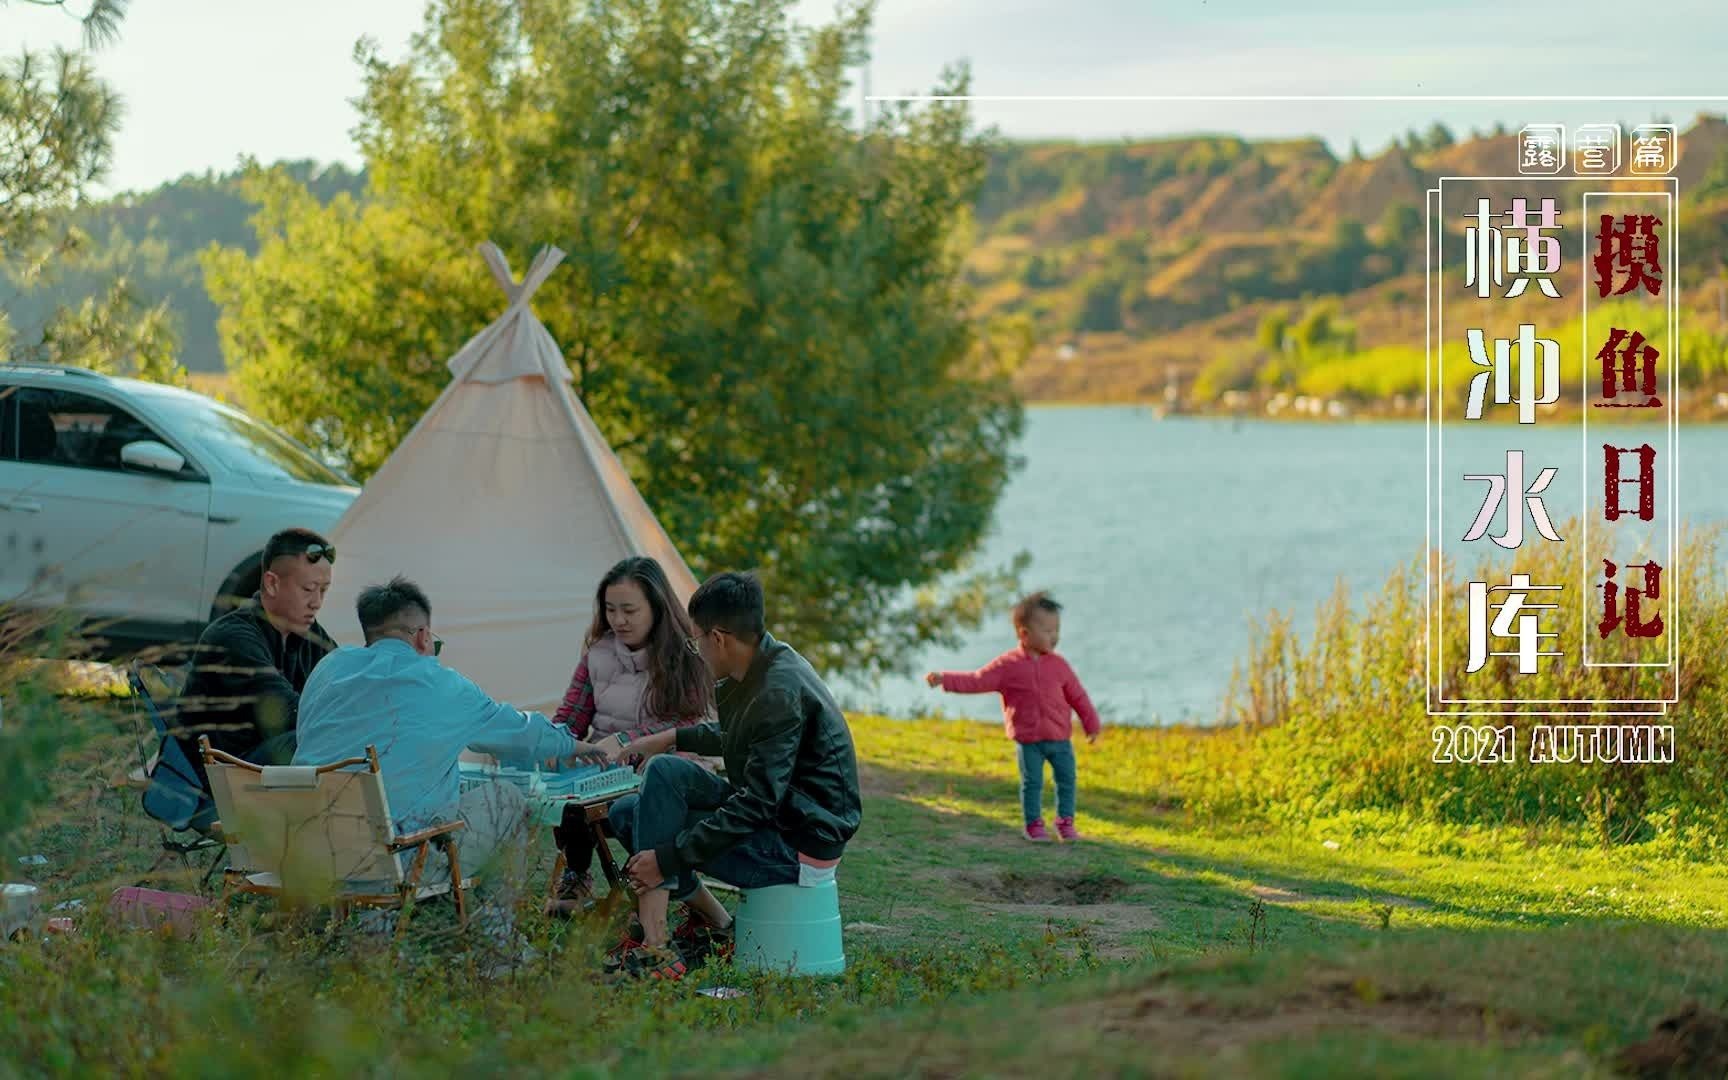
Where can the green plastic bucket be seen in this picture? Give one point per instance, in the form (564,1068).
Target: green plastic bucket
(790,928)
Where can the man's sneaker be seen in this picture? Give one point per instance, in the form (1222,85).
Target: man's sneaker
(1065,829)
(575,895)
(698,941)
(642,962)
(632,939)
(1036,832)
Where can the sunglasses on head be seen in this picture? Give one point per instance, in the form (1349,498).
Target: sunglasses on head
(314,552)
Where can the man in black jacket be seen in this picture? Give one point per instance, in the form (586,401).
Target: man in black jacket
(252,663)
(784,812)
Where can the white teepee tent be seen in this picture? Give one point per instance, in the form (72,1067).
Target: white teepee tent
(506,505)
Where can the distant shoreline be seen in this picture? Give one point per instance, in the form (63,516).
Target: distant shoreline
(1505,415)
(1715,410)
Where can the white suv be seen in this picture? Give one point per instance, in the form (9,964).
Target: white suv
(142,509)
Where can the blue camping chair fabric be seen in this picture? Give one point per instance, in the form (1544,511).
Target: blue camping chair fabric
(173,794)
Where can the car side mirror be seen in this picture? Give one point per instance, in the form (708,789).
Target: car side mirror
(151,456)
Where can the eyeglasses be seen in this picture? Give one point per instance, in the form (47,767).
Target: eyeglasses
(437,642)
(314,552)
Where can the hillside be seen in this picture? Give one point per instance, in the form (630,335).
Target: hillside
(1144,267)
(153,239)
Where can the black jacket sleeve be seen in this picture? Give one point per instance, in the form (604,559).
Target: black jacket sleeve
(701,739)
(248,675)
(776,728)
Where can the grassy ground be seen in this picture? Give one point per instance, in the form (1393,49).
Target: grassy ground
(1160,946)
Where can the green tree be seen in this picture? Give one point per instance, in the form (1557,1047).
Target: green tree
(1101,304)
(1274,326)
(1401,232)
(1345,254)
(153,239)
(100,22)
(1321,333)
(1439,137)
(762,306)
(1035,276)
(1224,371)
(1715,179)
(57,122)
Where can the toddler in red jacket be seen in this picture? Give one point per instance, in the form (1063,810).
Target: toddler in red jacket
(1040,692)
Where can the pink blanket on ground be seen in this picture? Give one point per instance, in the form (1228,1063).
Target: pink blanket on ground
(154,909)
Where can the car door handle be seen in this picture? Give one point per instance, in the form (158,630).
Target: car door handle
(22,505)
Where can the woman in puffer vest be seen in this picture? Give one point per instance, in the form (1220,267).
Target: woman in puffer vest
(640,673)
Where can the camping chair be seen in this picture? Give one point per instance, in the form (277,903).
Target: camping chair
(173,794)
(324,830)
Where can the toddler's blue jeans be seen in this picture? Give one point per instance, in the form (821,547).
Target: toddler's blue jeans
(1060,754)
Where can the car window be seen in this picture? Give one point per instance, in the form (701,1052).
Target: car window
(64,427)
(8,430)
(245,445)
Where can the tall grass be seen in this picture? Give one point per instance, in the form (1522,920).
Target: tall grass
(34,726)
(1339,722)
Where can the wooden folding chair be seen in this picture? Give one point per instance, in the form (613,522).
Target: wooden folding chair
(325,832)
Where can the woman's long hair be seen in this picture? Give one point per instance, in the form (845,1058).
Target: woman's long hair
(680,685)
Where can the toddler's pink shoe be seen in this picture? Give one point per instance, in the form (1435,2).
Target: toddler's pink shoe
(1036,832)
(1065,829)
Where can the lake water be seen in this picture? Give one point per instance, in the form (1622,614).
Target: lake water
(1162,538)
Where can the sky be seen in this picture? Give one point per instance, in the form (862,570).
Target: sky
(207,81)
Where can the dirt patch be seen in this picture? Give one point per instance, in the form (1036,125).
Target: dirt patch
(1692,1042)
(1060,888)
(1121,916)
(1210,1035)
(1105,924)
(1341,1004)
(1097,906)
(1276,896)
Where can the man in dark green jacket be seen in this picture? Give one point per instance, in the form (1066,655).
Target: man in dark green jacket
(784,811)
(251,664)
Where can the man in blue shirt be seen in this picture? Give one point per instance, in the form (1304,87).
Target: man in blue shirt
(395,695)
